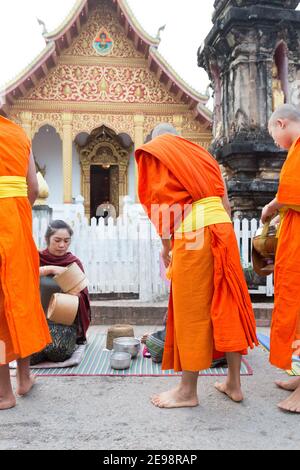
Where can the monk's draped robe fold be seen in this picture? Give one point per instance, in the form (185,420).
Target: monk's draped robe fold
(285,333)
(23,326)
(210,308)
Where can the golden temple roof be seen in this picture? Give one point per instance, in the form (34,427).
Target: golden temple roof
(62,37)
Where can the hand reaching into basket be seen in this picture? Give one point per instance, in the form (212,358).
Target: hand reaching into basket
(270,210)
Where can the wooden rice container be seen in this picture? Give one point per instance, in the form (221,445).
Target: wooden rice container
(72,280)
(63,309)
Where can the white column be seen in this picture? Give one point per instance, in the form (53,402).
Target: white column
(178,123)
(67,119)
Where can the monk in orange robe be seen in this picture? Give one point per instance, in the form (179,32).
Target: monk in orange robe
(284,127)
(210,309)
(23,326)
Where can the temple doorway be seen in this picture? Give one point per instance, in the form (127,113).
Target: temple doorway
(104,160)
(102,190)
(100,187)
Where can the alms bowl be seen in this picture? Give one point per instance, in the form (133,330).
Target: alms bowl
(128,345)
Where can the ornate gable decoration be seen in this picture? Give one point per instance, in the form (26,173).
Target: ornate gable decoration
(102,84)
(103,20)
(103,56)
(103,43)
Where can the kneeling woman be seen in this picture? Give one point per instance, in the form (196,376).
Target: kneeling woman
(53,261)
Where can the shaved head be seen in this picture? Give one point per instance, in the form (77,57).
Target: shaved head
(284,125)
(285,112)
(162,129)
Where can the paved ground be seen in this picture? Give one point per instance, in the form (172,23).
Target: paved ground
(114,413)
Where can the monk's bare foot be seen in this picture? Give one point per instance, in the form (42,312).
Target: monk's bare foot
(234,393)
(25,385)
(290,385)
(176,398)
(7,403)
(292,404)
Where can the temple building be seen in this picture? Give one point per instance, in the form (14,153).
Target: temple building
(92,96)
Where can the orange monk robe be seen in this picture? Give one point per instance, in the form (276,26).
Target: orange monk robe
(23,326)
(209,303)
(286,315)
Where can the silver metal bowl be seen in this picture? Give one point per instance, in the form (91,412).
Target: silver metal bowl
(120,360)
(128,345)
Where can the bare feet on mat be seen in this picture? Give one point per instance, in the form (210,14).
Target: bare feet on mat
(175,399)
(234,393)
(25,385)
(6,403)
(291,404)
(290,385)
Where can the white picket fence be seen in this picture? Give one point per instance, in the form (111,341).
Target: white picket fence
(124,256)
(121,257)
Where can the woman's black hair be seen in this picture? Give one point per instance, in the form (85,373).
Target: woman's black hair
(56,225)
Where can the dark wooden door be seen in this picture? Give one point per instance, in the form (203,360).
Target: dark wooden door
(100,187)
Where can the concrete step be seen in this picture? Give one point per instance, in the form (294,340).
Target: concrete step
(135,312)
(263,314)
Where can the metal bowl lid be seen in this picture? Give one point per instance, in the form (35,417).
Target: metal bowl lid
(127,341)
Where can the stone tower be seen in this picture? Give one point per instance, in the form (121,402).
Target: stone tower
(252,56)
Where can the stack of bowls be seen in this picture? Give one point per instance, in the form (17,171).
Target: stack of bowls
(128,345)
(125,349)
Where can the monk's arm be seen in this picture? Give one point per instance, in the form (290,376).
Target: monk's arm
(166,256)
(270,210)
(32,182)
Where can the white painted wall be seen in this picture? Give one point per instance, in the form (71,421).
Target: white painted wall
(122,257)
(47,148)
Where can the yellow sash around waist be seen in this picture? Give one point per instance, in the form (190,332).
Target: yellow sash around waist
(283,213)
(209,211)
(13,186)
